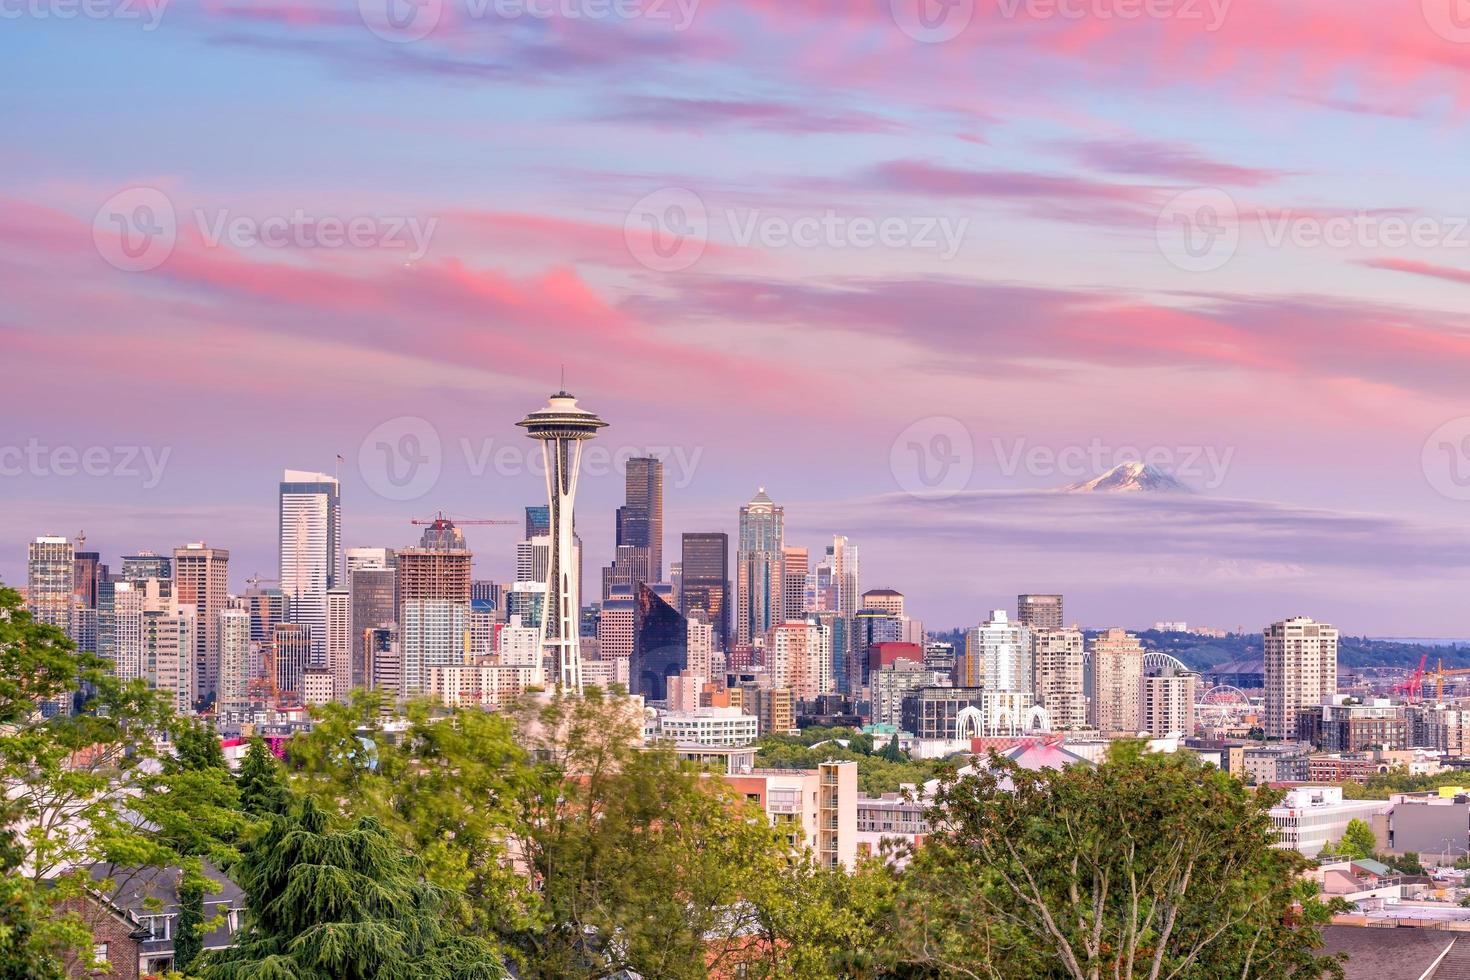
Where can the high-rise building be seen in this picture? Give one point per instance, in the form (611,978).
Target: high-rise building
(795,566)
(50,581)
(700,646)
(1040,612)
(705,580)
(170,648)
(338,660)
(439,568)
(431,633)
(617,629)
(374,588)
(267,607)
(202,580)
(640,521)
(1166,702)
(998,655)
(562,427)
(1117,681)
(291,646)
(1060,663)
(660,645)
(538,521)
(310,536)
(528,592)
(146,565)
(838,588)
(1301,671)
(232,697)
(377,558)
(885,600)
(799,656)
(87,573)
(758,578)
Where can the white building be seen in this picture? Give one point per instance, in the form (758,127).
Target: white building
(998,655)
(708,726)
(310,532)
(799,656)
(1311,817)
(234,661)
(1301,671)
(434,633)
(339,640)
(481,685)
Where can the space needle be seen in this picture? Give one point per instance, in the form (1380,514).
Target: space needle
(562,427)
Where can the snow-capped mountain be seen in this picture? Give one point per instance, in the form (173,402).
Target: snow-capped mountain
(1131,477)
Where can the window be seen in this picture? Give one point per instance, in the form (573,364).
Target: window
(99,953)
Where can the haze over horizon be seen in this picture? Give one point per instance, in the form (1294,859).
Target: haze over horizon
(903,282)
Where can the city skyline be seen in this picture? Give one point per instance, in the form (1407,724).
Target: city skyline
(1033,313)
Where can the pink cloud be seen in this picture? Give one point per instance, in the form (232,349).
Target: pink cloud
(1418,268)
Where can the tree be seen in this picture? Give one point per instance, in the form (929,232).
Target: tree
(1146,865)
(189,931)
(344,905)
(891,751)
(261,782)
(1357,841)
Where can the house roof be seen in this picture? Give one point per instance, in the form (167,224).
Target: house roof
(1385,954)
(1377,868)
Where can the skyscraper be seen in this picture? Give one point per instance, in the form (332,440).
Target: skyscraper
(202,580)
(758,579)
(291,652)
(640,521)
(1301,671)
(660,645)
(998,655)
(50,573)
(372,582)
(234,667)
(795,564)
(562,427)
(705,580)
(339,640)
(538,521)
(310,535)
(1117,681)
(1059,663)
(1040,612)
(439,568)
(1166,702)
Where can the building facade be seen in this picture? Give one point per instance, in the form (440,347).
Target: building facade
(1301,671)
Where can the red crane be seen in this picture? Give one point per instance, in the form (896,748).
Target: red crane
(440,519)
(1413,688)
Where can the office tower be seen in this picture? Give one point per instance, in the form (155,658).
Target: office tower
(867,628)
(317,686)
(291,652)
(484,618)
(484,590)
(884,600)
(998,655)
(232,697)
(87,571)
(758,579)
(528,592)
(640,521)
(339,640)
(385,666)
(373,586)
(518,645)
(1040,612)
(1301,671)
(1117,678)
(838,573)
(50,573)
(128,646)
(799,656)
(376,558)
(202,580)
(704,564)
(562,427)
(630,568)
(700,645)
(267,608)
(676,582)
(892,684)
(431,633)
(617,629)
(145,565)
(538,521)
(1060,659)
(795,565)
(310,536)
(1166,702)
(660,645)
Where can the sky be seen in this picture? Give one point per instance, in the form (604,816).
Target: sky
(908,265)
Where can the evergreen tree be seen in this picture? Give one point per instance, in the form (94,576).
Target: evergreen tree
(344,905)
(197,747)
(891,752)
(189,931)
(261,782)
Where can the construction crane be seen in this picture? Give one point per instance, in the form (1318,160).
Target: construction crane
(1412,688)
(440,519)
(1439,674)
